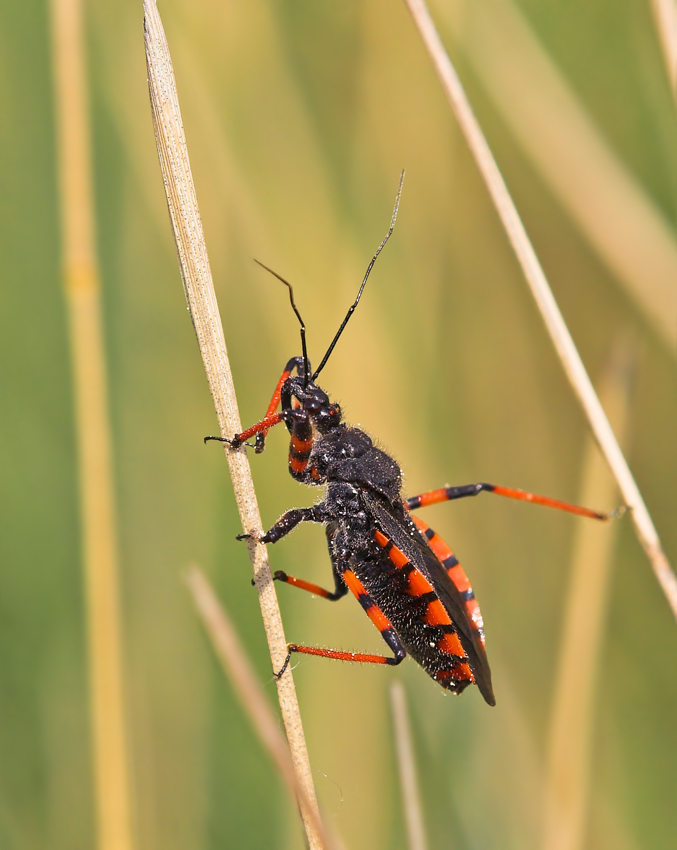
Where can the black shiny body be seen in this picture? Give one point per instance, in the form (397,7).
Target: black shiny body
(363,499)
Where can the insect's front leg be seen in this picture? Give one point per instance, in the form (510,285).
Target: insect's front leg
(260,429)
(288,522)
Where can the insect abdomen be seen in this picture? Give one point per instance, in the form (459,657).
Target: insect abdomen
(409,601)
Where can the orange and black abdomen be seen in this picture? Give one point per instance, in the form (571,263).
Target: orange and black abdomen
(413,576)
(407,598)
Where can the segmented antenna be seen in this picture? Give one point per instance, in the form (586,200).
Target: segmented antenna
(306,364)
(364,281)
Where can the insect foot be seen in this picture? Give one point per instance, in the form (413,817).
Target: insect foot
(252,535)
(235,443)
(290,648)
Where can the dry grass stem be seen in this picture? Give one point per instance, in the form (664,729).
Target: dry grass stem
(665,16)
(411,799)
(613,211)
(559,333)
(98,527)
(204,311)
(237,667)
(569,752)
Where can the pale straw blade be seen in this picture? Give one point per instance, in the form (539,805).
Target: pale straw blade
(204,311)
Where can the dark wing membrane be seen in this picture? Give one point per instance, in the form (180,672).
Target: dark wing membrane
(398,526)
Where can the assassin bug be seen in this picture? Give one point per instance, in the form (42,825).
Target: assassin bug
(402,573)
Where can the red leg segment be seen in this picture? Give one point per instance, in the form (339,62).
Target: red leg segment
(377,617)
(272,407)
(270,419)
(263,426)
(446,494)
(310,587)
(299,450)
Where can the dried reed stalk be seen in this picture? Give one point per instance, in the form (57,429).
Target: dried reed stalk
(406,763)
(569,750)
(204,311)
(559,333)
(239,670)
(98,526)
(613,211)
(665,17)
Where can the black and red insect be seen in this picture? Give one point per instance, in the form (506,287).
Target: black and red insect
(402,573)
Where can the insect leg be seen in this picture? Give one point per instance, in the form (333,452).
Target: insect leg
(264,425)
(447,494)
(294,363)
(377,617)
(300,445)
(289,520)
(340,587)
(260,429)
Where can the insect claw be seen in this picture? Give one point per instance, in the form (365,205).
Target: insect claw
(622,509)
(286,661)
(218,440)
(279,575)
(252,535)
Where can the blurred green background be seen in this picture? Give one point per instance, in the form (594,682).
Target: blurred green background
(299,117)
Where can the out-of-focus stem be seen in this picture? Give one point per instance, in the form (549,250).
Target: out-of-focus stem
(612,209)
(406,763)
(545,300)
(238,668)
(665,16)
(99,549)
(569,752)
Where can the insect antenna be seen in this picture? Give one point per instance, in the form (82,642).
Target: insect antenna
(306,364)
(364,281)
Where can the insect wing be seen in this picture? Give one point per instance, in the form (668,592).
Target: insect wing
(400,529)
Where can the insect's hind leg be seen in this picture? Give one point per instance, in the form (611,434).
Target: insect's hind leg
(447,494)
(377,617)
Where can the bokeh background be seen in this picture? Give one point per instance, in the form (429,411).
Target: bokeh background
(299,117)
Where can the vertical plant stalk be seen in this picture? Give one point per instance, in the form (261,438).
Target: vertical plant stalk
(569,749)
(665,17)
(98,526)
(204,312)
(611,208)
(238,668)
(545,300)
(406,763)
